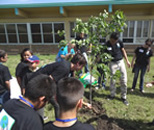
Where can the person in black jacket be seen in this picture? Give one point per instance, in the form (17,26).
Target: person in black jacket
(142,63)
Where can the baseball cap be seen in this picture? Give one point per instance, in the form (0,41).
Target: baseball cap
(33,59)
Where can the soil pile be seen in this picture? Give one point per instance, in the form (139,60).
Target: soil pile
(98,118)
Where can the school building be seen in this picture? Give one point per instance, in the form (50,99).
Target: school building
(34,23)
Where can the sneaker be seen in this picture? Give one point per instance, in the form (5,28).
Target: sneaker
(148,85)
(132,90)
(103,85)
(125,101)
(142,91)
(110,97)
(96,88)
(103,88)
(151,123)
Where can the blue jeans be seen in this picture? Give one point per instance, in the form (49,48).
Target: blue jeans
(100,80)
(86,68)
(4,97)
(136,73)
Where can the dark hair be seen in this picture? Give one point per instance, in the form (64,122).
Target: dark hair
(148,40)
(2,53)
(41,85)
(69,91)
(79,58)
(23,51)
(114,36)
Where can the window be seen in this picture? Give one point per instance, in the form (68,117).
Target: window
(139,29)
(47,33)
(72,34)
(142,28)
(136,31)
(145,28)
(128,33)
(36,33)
(131,28)
(11,31)
(125,33)
(58,26)
(152,28)
(2,34)
(22,33)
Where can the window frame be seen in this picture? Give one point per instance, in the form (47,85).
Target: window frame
(29,33)
(152,29)
(135,37)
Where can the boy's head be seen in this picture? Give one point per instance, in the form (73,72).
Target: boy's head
(82,35)
(33,62)
(69,94)
(114,37)
(148,42)
(71,45)
(79,61)
(3,56)
(40,89)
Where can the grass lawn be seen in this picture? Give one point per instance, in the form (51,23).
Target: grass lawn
(132,117)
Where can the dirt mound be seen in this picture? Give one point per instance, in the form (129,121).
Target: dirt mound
(98,118)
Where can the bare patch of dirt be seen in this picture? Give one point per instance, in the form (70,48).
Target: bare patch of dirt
(99,119)
(98,116)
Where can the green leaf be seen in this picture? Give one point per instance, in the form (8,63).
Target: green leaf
(100,26)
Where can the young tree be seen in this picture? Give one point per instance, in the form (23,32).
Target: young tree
(97,28)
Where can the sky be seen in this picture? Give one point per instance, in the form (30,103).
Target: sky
(42,1)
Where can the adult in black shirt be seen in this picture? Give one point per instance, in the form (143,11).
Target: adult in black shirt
(116,48)
(57,71)
(22,111)
(142,63)
(5,77)
(69,97)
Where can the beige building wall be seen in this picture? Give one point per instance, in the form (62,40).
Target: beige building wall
(52,14)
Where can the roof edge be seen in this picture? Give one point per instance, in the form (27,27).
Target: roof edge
(87,3)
